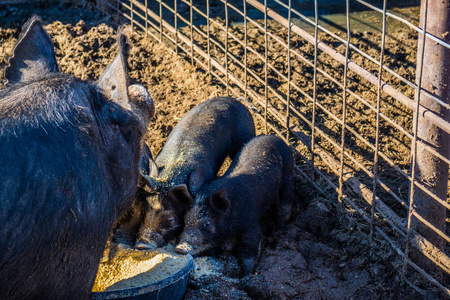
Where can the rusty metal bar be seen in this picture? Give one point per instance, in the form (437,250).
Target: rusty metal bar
(325,110)
(146,21)
(223,82)
(377,133)
(208,25)
(411,84)
(334,81)
(431,226)
(167,6)
(131,13)
(344,102)
(245,49)
(438,257)
(433,172)
(191,24)
(386,68)
(322,72)
(420,59)
(355,159)
(425,113)
(359,51)
(409,24)
(352,93)
(233,7)
(289,74)
(266,61)
(139,25)
(226,48)
(412,264)
(175,23)
(160,18)
(313,121)
(149,22)
(348,155)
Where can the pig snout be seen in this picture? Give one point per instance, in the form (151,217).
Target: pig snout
(150,241)
(191,241)
(184,248)
(147,245)
(141,98)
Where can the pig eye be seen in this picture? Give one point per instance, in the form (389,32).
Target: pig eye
(170,222)
(206,225)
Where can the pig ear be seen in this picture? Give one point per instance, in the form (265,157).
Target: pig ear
(150,182)
(33,56)
(114,81)
(219,201)
(196,180)
(146,164)
(144,161)
(181,194)
(153,169)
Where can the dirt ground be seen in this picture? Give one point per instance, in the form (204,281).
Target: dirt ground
(318,255)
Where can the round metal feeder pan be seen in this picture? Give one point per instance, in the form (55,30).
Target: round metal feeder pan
(170,288)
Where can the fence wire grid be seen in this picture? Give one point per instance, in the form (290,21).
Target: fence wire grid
(348,93)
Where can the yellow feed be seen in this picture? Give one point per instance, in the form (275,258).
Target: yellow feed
(131,268)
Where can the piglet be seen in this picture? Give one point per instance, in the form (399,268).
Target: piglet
(190,158)
(227,211)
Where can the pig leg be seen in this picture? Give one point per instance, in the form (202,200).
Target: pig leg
(285,200)
(251,248)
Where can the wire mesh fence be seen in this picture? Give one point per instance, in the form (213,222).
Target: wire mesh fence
(360,94)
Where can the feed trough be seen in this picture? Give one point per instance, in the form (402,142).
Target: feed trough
(134,274)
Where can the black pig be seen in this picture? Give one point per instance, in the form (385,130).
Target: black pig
(68,167)
(191,157)
(227,212)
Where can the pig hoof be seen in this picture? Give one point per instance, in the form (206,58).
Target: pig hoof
(183,248)
(145,246)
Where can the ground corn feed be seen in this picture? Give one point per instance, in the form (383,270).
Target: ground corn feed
(130,268)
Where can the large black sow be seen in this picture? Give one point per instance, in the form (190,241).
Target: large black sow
(68,167)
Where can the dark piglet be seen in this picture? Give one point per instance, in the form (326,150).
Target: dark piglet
(68,167)
(191,157)
(227,212)
(127,225)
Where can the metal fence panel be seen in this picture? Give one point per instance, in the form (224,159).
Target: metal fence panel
(340,98)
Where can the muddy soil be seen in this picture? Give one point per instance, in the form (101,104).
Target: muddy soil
(318,255)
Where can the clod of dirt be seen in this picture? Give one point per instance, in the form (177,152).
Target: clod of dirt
(318,218)
(279,274)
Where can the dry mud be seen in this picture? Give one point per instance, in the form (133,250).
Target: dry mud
(319,254)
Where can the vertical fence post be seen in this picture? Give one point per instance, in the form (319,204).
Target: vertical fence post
(316,53)
(208,25)
(160,21)
(175,8)
(191,12)
(432,172)
(132,15)
(226,49)
(377,128)
(146,19)
(344,107)
(266,61)
(245,50)
(288,94)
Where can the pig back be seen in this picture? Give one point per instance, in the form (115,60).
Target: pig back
(212,130)
(260,169)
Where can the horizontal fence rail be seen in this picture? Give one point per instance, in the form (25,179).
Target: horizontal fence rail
(350,105)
